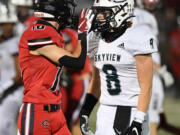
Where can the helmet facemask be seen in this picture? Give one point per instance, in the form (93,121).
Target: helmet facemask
(103,19)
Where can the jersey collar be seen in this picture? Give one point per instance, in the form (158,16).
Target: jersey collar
(46,23)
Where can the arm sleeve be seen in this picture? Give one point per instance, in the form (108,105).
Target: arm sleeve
(77,63)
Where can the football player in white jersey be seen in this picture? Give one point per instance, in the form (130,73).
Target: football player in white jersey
(122,71)
(156,104)
(9,72)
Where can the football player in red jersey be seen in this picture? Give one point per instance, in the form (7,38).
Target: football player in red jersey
(41,57)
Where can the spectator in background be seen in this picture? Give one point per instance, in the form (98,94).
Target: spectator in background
(10,80)
(175,4)
(25,15)
(174,44)
(166,17)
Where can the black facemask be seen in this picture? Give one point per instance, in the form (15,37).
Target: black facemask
(111,36)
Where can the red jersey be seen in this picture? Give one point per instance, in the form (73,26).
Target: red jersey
(40,75)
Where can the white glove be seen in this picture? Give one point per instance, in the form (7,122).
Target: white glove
(84,125)
(167,76)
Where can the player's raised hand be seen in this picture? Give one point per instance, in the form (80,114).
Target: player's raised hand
(134,129)
(85,20)
(84,125)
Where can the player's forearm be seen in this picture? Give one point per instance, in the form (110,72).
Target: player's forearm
(145,73)
(78,62)
(81,42)
(144,99)
(143,103)
(94,89)
(92,95)
(77,50)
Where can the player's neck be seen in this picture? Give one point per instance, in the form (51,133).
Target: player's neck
(55,24)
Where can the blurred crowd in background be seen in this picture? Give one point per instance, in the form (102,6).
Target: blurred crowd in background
(168,16)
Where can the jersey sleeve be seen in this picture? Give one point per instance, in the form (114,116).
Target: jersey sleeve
(143,41)
(147,46)
(92,44)
(41,35)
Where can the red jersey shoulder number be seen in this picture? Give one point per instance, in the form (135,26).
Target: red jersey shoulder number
(41,35)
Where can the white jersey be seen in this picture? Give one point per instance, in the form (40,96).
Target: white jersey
(143,17)
(7,65)
(117,65)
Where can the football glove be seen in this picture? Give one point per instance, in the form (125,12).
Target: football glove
(134,129)
(85,20)
(166,76)
(84,125)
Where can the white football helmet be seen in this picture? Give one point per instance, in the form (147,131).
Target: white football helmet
(28,3)
(7,14)
(122,11)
